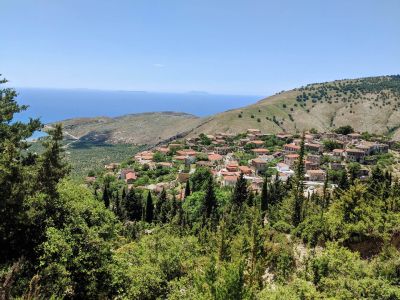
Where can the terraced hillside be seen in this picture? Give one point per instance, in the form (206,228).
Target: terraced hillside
(368,104)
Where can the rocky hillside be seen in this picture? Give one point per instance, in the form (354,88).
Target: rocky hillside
(145,128)
(368,104)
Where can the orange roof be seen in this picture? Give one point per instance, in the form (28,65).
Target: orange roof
(214,157)
(189,152)
(257,142)
(230,178)
(259,161)
(130,175)
(260,150)
(292,155)
(292,146)
(316,171)
(179,157)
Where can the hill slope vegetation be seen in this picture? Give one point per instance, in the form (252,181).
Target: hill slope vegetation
(368,104)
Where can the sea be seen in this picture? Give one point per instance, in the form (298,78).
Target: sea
(52,105)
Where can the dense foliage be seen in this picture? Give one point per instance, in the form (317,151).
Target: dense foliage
(61,239)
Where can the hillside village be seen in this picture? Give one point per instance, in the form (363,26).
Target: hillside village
(256,155)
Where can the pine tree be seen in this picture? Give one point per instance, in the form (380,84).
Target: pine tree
(187,189)
(149,209)
(299,187)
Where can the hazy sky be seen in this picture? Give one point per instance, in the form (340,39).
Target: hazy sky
(219,46)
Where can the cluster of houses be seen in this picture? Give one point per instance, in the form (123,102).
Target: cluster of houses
(220,156)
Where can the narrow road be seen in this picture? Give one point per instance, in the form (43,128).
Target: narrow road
(76,139)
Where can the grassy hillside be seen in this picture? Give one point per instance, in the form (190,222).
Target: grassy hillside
(146,128)
(368,104)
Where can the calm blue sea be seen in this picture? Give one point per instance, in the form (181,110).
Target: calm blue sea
(58,104)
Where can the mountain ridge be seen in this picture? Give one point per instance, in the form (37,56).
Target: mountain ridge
(367,104)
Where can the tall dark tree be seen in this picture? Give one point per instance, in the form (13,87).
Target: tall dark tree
(149,214)
(210,201)
(265,198)
(240,193)
(162,207)
(343,183)
(106,196)
(52,167)
(133,205)
(299,186)
(16,182)
(187,189)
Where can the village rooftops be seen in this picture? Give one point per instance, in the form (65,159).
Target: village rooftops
(260,151)
(245,170)
(256,142)
(164,150)
(253,131)
(130,176)
(259,161)
(355,151)
(292,155)
(186,152)
(338,151)
(283,136)
(354,135)
(214,157)
(179,157)
(291,148)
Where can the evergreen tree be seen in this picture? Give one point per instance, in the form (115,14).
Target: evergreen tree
(52,168)
(210,201)
(106,196)
(187,189)
(133,205)
(299,186)
(240,193)
(343,183)
(264,198)
(149,208)
(162,207)
(16,182)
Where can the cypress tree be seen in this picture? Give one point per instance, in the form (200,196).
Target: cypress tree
(210,201)
(106,196)
(187,189)
(264,198)
(299,186)
(162,207)
(149,208)
(52,168)
(240,193)
(133,205)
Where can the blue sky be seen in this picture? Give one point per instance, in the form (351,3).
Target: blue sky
(218,46)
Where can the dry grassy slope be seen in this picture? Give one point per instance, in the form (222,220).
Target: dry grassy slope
(147,128)
(363,110)
(368,104)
